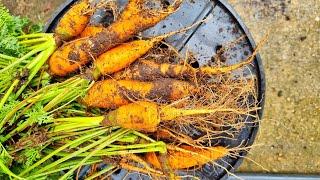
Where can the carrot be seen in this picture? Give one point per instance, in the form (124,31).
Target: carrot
(73,55)
(91,31)
(122,56)
(74,21)
(146,116)
(187,156)
(112,94)
(149,70)
(140,115)
(106,13)
(134,16)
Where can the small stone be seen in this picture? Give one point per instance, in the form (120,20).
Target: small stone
(317,19)
(302,38)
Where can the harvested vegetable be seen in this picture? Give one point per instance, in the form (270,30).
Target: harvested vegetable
(146,70)
(112,94)
(49,125)
(141,115)
(135,18)
(185,157)
(106,12)
(122,56)
(74,21)
(70,57)
(105,94)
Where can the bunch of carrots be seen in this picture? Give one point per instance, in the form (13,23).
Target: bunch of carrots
(105,101)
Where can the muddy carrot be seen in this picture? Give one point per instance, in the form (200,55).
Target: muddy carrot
(122,56)
(135,17)
(187,156)
(74,21)
(146,70)
(112,94)
(140,115)
(73,55)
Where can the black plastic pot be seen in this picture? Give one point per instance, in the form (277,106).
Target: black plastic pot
(223,25)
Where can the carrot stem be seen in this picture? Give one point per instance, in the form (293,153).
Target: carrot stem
(76,122)
(121,150)
(8,93)
(40,48)
(102,143)
(105,170)
(32,41)
(80,139)
(42,58)
(65,166)
(3,56)
(6,170)
(36,35)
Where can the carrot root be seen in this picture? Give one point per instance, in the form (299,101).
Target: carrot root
(149,70)
(112,94)
(185,157)
(121,56)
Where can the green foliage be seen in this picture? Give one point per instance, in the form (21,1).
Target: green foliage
(5,157)
(12,103)
(10,28)
(30,156)
(37,115)
(36,28)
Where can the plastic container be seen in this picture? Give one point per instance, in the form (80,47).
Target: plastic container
(223,25)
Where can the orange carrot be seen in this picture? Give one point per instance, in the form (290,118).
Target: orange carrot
(187,156)
(122,56)
(74,21)
(91,31)
(149,70)
(140,115)
(73,55)
(135,16)
(103,17)
(112,94)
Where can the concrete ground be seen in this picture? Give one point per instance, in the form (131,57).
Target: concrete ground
(289,138)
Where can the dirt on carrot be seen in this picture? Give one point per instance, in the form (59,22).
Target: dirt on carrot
(121,56)
(112,94)
(78,53)
(74,21)
(185,157)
